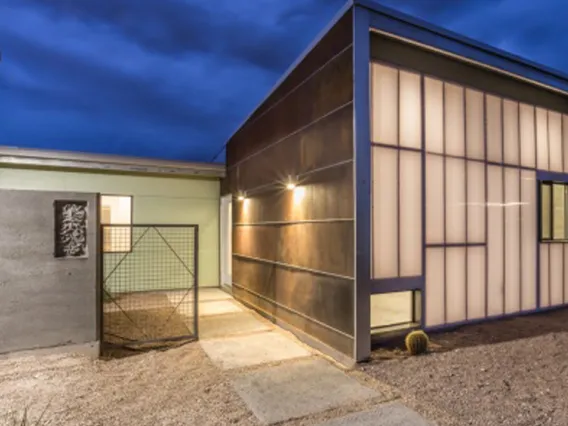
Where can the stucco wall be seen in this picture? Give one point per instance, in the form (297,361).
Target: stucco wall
(161,200)
(44,301)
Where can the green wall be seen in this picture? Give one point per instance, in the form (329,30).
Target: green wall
(156,200)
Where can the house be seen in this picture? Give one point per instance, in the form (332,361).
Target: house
(399,175)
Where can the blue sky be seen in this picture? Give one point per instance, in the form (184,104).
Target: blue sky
(174,78)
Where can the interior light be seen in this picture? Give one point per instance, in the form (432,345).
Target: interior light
(290,186)
(242,196)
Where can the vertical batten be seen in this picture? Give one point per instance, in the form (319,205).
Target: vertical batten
(455,284)
(556,272)
(410,214)
(435,277)
(385,212)
(529,240)
(410,115)
(475,282)
(475,202)
(565,141)
(544,282)
(434,115)
(494,129)
(455,201)
(495,284)
(555,140)
(454,126)
(528,143)
(434,199)
(512,241)
(511,131)
(384,124)
(542,139)
(475,145)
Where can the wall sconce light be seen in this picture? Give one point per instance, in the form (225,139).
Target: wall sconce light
(291,184)
(242,196)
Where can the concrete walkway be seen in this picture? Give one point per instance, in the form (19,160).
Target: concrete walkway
(282,380)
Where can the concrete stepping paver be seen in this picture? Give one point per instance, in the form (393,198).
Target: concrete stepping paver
(298,389)
(214,326)
(391,414)
(218,307)
(254,349)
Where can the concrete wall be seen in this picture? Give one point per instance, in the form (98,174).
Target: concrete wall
(164,200)
(44,301)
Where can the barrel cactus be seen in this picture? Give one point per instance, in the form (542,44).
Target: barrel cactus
(416,342)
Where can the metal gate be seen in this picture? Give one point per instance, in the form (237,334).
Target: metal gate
(148,285)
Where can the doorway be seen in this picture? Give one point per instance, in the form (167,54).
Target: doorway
(226,243)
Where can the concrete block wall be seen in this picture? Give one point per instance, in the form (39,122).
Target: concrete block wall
(44,301)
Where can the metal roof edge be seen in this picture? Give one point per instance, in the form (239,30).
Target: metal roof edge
(344,9)
(545,71)
(13,156)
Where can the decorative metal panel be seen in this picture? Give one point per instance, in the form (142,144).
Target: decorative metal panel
(71,228)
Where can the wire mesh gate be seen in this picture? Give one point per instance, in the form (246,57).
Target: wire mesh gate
(149,285)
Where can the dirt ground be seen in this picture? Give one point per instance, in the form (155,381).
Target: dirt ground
(175,387)
(510,372)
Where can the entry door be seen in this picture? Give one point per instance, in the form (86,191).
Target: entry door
(226,229)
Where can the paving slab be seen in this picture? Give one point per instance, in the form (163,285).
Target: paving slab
(214,326)
(391,414)
(254,349)
(218,307)
(209,294)
(298,389)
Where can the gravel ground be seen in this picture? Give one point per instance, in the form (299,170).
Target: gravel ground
(175,387)
(467,381)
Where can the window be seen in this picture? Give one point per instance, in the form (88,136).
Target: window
(553,221)
(116,210)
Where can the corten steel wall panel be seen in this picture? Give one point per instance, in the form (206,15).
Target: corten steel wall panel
(337,39)
(293,250)
(45,301)
(431,63)
(317,97)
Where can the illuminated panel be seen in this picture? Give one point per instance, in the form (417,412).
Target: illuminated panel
(565,141)
(475,282)
(528,144)
(541,139)
(558,212)
(455,200)
(410,110)
(511,131)
(475,202)
(391,308)
(434,199)
(434,286)
(384,124)
(528,239)
(454,120)
(385,213)
(475,125)
(410,214)
(544,276)
(455,284)
(434,115)
(556,272)
(495,282)
(555,140)
(545,213)
(512,241)
(494,129)
(565,273)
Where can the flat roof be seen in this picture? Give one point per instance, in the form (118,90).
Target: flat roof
(12,156)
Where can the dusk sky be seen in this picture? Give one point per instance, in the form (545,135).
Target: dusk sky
(174,78)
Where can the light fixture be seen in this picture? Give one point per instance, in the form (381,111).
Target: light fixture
(291,183)
(242,196)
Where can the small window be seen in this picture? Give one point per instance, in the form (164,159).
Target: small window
(553,210)
(116,210)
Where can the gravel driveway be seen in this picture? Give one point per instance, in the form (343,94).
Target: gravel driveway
(176,387)
(521,382)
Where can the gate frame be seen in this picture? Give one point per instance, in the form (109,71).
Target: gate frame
(101,279)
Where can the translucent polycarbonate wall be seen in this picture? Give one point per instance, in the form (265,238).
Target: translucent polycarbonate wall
(473,157)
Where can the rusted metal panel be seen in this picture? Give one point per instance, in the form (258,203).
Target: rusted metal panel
(326,91)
